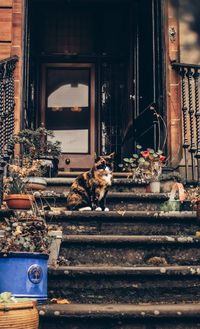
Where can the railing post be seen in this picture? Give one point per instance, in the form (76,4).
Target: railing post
(191,71)
(189,75)
(184,110)
(197,115)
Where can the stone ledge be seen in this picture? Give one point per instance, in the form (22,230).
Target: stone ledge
(116,215)
(120,311)
(68,271)
(111,195)
(128,239)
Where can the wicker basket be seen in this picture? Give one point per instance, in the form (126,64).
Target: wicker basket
(19,315)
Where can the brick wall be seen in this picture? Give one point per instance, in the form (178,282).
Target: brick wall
(11,22)
(173,87)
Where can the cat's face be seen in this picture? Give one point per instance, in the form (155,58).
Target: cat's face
(104,164)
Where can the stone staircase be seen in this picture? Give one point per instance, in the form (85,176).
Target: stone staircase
(131,267)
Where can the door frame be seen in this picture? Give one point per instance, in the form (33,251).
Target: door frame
(78,161)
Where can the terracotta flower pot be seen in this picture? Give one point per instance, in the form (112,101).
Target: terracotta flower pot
(19,315)
(19,201)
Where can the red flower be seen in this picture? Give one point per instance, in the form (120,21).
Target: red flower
(145,154)
(162,158)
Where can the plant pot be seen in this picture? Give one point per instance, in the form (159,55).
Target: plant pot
(19,315)
(155,187)
(19,201)
(171,205)
(24,274)
(148,190)
(36,184)
(50,166)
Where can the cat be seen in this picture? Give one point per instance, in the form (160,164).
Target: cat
(88,192)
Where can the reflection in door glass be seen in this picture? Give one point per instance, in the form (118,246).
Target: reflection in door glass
(68,109)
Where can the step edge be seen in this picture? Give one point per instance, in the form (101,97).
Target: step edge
(128,195)
(120,310)
(177,239)
(123,214)
(117,270)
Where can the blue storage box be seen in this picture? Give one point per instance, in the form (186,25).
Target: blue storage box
(24,275)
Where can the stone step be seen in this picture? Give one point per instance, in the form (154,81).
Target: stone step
(120,316)
(74,174)
(115,200)
(125,222)
(119,184)
(132,285)
(121,250)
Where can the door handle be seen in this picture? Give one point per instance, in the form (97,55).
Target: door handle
(67,161)
(132,97)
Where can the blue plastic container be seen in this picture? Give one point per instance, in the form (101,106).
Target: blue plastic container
(24,275)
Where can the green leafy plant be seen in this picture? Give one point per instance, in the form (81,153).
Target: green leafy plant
(38,143)
(145,165)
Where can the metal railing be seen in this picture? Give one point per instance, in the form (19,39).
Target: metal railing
(191,117)
(7,105)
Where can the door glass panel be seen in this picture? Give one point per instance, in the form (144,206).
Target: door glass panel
(68,107)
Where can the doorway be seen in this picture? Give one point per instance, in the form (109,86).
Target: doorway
(68,109)
(111,50)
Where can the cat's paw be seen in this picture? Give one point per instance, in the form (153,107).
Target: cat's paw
(106,209)
(85,209)
(98,209)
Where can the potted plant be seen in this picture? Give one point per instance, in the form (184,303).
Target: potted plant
(39,145)
(24,250)
(145,167)
(17,313)
(15,194)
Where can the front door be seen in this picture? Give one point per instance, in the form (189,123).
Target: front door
(101,75)
(68,108)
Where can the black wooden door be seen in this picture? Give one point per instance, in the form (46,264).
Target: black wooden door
(148,93)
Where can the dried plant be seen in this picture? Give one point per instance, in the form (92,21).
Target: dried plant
(18,172)
(24,233)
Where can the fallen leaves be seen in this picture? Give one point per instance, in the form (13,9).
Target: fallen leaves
(121,212)
(25,233)
(59,301)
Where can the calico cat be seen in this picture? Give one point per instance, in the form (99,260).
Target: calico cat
(88,192)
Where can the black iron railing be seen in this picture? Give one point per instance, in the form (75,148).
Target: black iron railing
(191,117)
(7,105)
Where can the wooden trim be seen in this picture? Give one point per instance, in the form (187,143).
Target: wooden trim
(90,66)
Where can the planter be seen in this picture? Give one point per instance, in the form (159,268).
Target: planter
(36,184)
(24,275)
(19,201)
(155,187)
(148,190)
(19,315)
(50,166)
